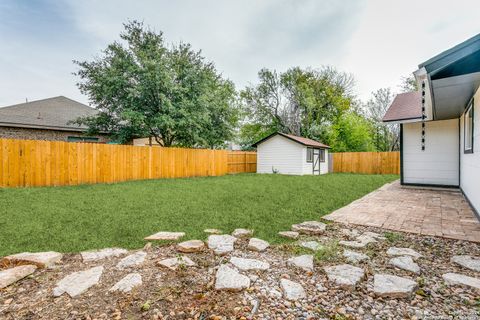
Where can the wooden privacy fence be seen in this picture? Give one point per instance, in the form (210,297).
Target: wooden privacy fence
(242,161)
(367,162)
(56,163)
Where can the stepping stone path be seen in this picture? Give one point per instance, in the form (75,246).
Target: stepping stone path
(12,275)
(354,257)
(312,245)
(469,262)
(345,275)
(310,227)
(405,263)
(249,264)
(221,244)
(40,259)
(230,279)
(292,291)
(242,233)
(174,263)
(78,282)
(212,231)
(128,282)
(96,255)
(191,246)
(385,285)
(135,259)
(460,279)
(166,235)
(304,262)
(393,251)
(289,234)
(256,244)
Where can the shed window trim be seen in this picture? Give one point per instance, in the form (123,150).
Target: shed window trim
(469,126)
(322,155)
(309,155)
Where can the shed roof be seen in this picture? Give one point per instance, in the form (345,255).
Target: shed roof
(52,113)
(405,106)
(302,140)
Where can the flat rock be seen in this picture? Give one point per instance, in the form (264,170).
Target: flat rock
(212,231)
(394,251)
(460,279)
(191,246)
(174,263)
(405,263)
(12,275)
(256,244)
(242,233)
(289,234)
(249,264)
(353,244)
(312,245)
(374,235)
(78,282)
(310,227)
(469,262)
(345,275)
(230,279)
(354,257)
(128,282)
(385,285)
(365,238)
(96,255)
(166,235)
(40,259)
(292,290)
(135,259)
(304,262)
(221,244)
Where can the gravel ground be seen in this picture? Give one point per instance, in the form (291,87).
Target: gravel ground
(188,292)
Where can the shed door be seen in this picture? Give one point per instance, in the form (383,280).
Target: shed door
(316,161)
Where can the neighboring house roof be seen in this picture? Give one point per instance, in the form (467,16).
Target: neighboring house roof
(304,141)
(52,113)
(405,106)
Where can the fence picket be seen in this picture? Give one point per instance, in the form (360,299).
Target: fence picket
(367,162)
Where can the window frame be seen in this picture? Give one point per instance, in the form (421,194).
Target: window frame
(321,155)
(470,109)
(310,151)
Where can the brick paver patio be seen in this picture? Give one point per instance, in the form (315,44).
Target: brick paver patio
(443,213)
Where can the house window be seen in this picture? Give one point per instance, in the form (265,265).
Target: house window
(309,155)
(81,139)
(468,125)
(322,155)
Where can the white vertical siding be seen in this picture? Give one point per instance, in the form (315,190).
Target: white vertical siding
(281,154)
(439,163)
(470,162)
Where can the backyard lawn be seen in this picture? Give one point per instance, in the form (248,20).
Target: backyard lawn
(71,219)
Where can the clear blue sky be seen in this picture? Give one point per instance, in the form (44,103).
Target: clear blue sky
(378,41)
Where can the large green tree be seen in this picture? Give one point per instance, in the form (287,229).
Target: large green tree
(143,87)
(299,101)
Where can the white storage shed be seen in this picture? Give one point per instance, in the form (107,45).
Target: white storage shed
(289,154)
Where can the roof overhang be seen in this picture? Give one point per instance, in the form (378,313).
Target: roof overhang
(451,79)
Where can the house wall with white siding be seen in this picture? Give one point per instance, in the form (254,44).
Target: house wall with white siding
(439,163)
(282,154)
(470,162)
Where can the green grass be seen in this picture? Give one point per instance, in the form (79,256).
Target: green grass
(71,219)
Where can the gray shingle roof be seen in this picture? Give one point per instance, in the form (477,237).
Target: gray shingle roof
(51,113)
